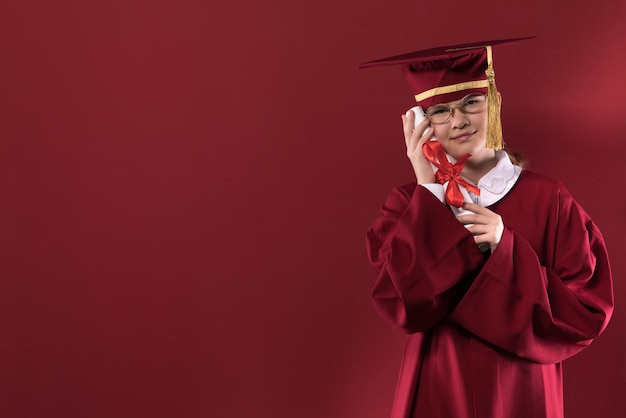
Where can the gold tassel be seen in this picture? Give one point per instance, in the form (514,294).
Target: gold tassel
(494,124)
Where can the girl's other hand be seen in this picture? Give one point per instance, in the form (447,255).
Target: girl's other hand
(486,226)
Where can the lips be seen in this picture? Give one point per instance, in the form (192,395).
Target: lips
(463,136)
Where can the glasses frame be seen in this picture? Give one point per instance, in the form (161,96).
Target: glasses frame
(460,107)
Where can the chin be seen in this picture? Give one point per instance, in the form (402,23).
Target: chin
(458,150)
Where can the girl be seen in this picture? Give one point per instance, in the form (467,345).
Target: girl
(494,271)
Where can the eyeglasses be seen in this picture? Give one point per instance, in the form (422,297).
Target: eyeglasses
(442,113)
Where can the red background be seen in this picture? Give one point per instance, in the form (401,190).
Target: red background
(186,187)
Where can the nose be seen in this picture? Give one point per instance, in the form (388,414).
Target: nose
(458,119)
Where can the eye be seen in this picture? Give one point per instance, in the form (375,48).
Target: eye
(474,103)
(438,110)
(472,100)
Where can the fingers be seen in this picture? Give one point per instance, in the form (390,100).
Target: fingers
(486,226)
(479,229)
(473,207)
(488,219)
(408,120)
(414,138)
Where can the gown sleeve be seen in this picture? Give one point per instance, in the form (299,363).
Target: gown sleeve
(544,313)
(424,257)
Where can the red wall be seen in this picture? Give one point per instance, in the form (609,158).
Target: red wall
(186,186)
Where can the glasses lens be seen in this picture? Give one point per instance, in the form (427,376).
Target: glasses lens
(474,103)
(439,113)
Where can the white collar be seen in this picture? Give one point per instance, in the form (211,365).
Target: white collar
(496,183)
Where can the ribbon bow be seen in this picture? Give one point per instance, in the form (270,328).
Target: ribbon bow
(446,172)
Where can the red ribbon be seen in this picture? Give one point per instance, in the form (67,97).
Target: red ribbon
(434,152)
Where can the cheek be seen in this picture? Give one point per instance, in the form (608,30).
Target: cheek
(440,131)
(480,119)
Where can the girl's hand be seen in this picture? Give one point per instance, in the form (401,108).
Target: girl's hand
(485,225)
(414,139)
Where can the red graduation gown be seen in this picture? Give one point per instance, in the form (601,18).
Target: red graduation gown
(488,334)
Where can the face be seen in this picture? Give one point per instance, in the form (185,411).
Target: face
(464,133)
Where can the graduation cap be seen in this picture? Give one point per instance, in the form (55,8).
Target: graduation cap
(449,73)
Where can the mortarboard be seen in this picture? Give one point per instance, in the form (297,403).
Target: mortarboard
(448,73)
